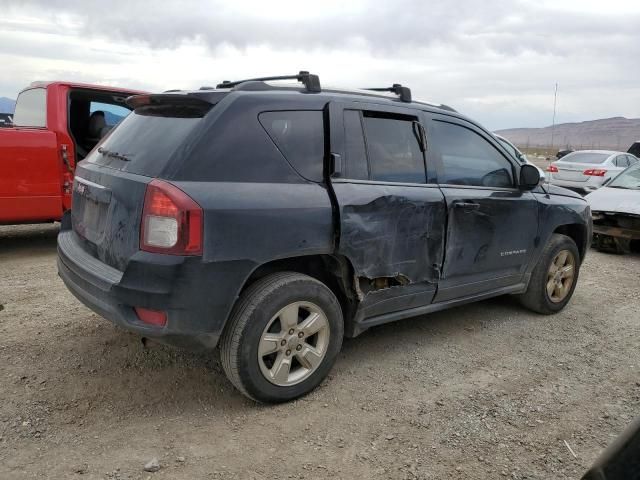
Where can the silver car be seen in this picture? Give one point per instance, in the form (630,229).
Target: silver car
(616,211)
(588,170)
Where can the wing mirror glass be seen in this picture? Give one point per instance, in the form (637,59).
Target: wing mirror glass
(529,177)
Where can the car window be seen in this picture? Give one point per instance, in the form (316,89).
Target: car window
(510,148)
(621,161)
(355,152)
(586,157)
(393,149)
(299,135)
(466,158)
(632,160)
(113,114)
(31,108)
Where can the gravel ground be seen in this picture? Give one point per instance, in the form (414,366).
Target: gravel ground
(483,391)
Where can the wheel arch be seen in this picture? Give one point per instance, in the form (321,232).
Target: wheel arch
(335,271)
(578,233)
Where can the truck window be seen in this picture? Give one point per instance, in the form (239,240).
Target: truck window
(113,114)
(31,108)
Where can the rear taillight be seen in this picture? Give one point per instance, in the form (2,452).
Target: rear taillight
(171,221)
(552,169)
(595,172)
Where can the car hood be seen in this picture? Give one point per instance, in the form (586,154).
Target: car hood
(556,190)
(615,200)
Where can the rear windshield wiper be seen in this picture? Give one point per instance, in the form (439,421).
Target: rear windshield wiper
(110,154)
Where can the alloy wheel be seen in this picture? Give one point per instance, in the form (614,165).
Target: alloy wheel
(293,344)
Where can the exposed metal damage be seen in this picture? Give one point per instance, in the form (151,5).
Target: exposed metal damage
(615,231)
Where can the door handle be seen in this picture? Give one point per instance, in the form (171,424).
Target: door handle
(467,205)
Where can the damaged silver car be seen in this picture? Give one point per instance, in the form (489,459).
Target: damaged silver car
(616,212)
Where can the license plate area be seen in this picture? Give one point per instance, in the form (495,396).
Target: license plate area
(90,209)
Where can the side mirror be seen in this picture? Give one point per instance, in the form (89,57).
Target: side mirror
(529,177)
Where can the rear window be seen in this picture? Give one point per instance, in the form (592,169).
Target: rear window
(31,108)
(145,141)
(299,135)
(585,157)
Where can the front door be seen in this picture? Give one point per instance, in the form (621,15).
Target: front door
(492,224)
(391,216)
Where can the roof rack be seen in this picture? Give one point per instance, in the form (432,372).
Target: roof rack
(403,92)
(310,81)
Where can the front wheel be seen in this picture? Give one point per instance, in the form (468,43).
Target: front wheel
(282,338)
(555,276)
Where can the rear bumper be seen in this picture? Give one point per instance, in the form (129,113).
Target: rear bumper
(176,285)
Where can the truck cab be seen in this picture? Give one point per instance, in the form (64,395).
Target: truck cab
(55,125)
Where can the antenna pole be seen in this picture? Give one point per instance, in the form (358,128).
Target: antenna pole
(553,124)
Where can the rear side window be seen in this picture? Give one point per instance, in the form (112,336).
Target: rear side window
(393,149)
(31,108)
(299,135)
(466,158)
(145,141)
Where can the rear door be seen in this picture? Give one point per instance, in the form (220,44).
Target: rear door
(30,183)
(492,225)
(391,215)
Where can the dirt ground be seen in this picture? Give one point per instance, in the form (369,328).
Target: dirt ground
(483,391)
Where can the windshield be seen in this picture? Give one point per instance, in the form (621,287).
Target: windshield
(585,157)
(630,178)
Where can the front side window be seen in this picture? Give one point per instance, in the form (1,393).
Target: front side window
(299,135)
(632,160)
(393,149)
(31,108)
(466,158)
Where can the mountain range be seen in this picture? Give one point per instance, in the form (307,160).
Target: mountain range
(7,105)
(617,133)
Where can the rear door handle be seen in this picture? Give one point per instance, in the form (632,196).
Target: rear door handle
(467,205)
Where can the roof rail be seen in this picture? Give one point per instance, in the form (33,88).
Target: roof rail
(310,81)
(403,92)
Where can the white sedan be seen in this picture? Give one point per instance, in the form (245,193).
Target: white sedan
(588,170)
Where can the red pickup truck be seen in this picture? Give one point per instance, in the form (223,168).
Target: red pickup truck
(55,125)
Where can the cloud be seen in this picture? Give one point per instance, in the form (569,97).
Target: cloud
(494,59)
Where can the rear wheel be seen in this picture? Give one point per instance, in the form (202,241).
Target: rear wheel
(555,276)
(282,338)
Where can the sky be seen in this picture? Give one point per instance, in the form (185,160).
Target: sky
(495,61)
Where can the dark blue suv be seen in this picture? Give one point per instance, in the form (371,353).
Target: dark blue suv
(273,219)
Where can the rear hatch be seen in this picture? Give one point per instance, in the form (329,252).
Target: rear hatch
(572,166)
(110,184)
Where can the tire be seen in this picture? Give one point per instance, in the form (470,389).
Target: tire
(263,312)
(537,296)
